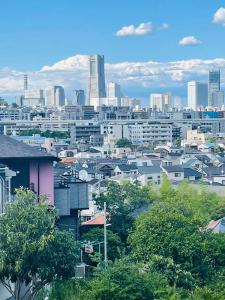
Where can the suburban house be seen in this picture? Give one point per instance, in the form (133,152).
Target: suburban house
(124,170)
(26,166)
(174,173)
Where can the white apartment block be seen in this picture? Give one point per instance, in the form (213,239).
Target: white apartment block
(138,134)
(150,133)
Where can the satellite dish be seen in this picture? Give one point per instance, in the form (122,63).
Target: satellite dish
(83,175)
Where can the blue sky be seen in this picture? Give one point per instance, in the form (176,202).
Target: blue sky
(35,33)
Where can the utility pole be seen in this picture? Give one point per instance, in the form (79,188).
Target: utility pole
(105,236)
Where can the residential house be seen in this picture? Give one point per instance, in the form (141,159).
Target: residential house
(174,173)
(26,166)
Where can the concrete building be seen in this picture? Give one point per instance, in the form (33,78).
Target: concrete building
(113,94)
(150,133)
(96,79)
(160,102)
(130,102)
(54,96)
(33,97)
(113,132)
(197,95)
(78,97)
(215,97)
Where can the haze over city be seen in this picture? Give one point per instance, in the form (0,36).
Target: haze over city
(148,46)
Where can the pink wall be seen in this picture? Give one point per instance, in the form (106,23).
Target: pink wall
(46,179)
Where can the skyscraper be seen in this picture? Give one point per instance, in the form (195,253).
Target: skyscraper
(33,97)
(215,97)
(113,94)
(197,95)
(96,80)
(78,97)
(161,102)
(25,82)
(54,96)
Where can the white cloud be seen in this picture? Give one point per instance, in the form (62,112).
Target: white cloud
(142,29)
(140,77)
(219,16)
(189,41)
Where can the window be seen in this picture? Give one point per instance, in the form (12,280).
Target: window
(177,175)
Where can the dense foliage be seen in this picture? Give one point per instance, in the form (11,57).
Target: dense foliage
(33,252)
(47,133)
(158,246)
(123,143)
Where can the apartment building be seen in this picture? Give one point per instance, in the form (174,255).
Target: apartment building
(151,133)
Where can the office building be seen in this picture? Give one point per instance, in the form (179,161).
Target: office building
(160,102)
(33,97)
(96,79)
(25,82)
(197,95)
(177,103)
(215,97)
(54,96)
(130,102)
(78,97)
(113,90)
(113,94)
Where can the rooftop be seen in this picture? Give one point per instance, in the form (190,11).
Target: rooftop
(11,148)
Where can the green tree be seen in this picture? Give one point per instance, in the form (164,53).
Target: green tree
(122,201)
(33,252)
(114,243)
(172,230)
(122,281)
(123,143)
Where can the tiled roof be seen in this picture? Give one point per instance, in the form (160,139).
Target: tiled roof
(11,148)
(98,220)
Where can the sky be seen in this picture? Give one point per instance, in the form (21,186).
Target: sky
(149,45)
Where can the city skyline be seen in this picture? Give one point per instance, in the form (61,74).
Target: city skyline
(146,50)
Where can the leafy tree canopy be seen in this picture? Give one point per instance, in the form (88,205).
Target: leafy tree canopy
(32,251)
(123,143)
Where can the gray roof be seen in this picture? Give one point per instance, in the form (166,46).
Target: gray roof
(127,168)
(210,171)
(149,169)
(11,148)
(191,172)
(171,169)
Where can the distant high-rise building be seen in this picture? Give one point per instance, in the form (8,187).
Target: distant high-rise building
(130,102)
(215,96)
(113,94)
(177,103)
(54,96)
(78,97)
(33,97)
(197,95)
(160,102)
(19,100)
(96,82)
(25,82)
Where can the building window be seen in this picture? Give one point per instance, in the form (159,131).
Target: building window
(177,175)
